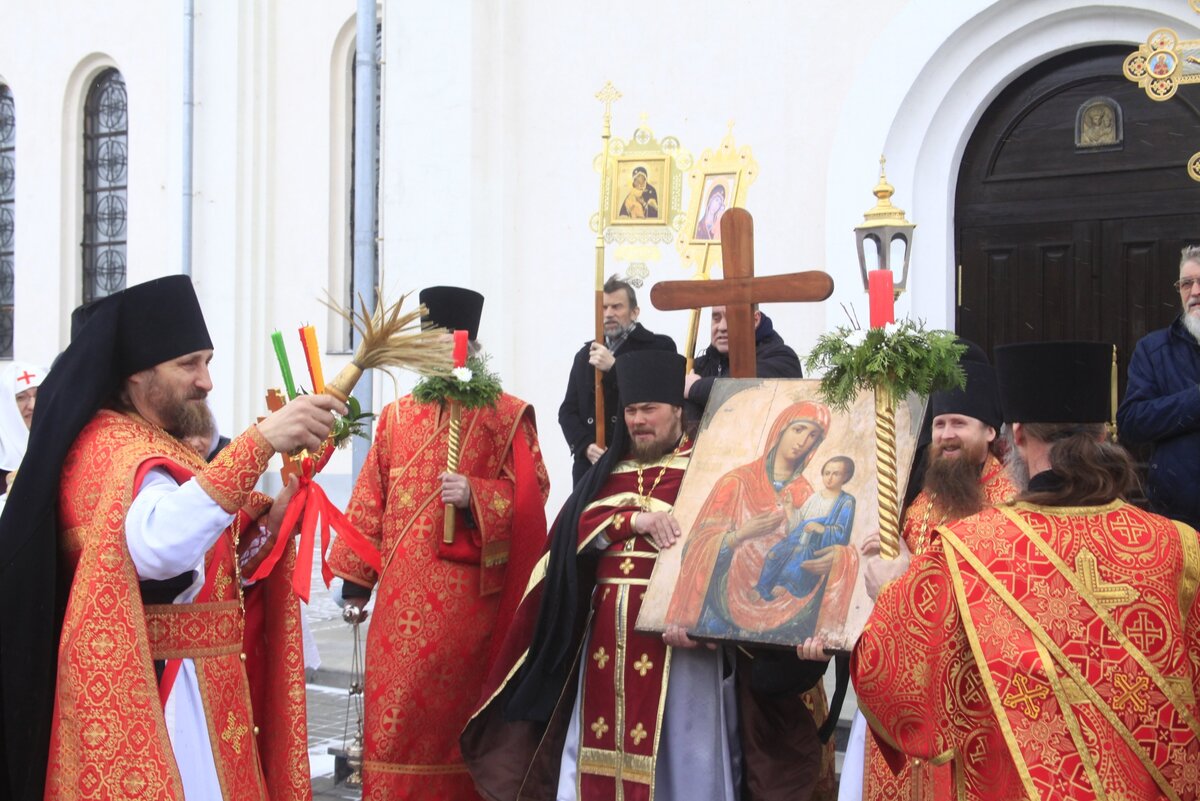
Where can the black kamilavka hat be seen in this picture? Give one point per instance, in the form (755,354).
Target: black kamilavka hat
(650,376)
(453,308)
(980,398)
(1055,382)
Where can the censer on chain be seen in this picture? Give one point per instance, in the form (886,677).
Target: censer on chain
(348,759)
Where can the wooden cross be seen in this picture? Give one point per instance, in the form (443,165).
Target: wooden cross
(739,289)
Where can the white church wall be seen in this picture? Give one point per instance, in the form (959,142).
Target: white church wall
(488,135)
(270,99)
(261,177)
(523,197)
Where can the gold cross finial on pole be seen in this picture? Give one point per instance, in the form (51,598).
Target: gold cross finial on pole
(608,95)
(882,165)
(645,119)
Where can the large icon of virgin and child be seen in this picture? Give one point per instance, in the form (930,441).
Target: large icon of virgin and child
(772,522)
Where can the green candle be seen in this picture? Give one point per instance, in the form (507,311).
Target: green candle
(284,367)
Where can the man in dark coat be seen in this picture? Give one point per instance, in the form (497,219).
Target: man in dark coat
(773,359)
(1162,402)
(622,334)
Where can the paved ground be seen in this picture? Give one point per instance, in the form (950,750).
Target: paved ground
(331,718)
(327,724)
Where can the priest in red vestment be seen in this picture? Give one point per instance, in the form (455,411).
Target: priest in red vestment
(963,476)
(1048,649)
(580,704)
(173,677)
(437,604)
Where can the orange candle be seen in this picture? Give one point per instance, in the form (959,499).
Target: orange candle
(312,355)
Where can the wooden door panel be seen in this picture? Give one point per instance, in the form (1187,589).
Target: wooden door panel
(1141,262)
(1057,241)
(1019,283)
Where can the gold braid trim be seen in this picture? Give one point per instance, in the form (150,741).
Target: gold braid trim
(231,477)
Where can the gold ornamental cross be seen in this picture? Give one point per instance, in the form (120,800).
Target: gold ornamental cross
(1106,596)
(1022,695)
(1132,691)
(608,95)
(1163,64)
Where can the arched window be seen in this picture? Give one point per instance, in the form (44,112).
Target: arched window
(105,184)
(352,290)
(8,175)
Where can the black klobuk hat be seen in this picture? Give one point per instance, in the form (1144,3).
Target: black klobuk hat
(160,320)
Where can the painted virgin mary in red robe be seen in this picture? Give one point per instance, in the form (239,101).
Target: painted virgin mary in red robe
(746,514)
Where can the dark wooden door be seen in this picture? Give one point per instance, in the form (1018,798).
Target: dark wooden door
(1059,241)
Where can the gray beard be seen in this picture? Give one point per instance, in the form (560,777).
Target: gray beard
(1192,323)
(1015,465)
(617,338)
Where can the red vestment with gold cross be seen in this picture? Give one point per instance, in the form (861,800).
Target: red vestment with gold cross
(919,780)
(109,737)
(625,672)
(1046,652)
(436,605)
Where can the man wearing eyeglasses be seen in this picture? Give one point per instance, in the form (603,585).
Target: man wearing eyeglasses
(1162,402)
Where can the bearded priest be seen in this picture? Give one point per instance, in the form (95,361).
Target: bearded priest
(1048,649)
(963,476)
(173,677)
(581,705)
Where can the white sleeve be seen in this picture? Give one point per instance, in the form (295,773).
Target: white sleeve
(171,526)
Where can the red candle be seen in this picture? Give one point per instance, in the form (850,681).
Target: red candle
(883,298)
(460,347)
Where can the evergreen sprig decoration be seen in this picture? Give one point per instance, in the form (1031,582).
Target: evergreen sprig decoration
(900,358)
(354,424)
(473,387)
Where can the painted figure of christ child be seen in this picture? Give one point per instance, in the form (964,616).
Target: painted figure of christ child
(826,519)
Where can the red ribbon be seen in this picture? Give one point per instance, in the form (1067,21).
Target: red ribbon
(311,507)
(460,348)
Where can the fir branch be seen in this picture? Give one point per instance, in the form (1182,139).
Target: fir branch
(900,359)
(483,389)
